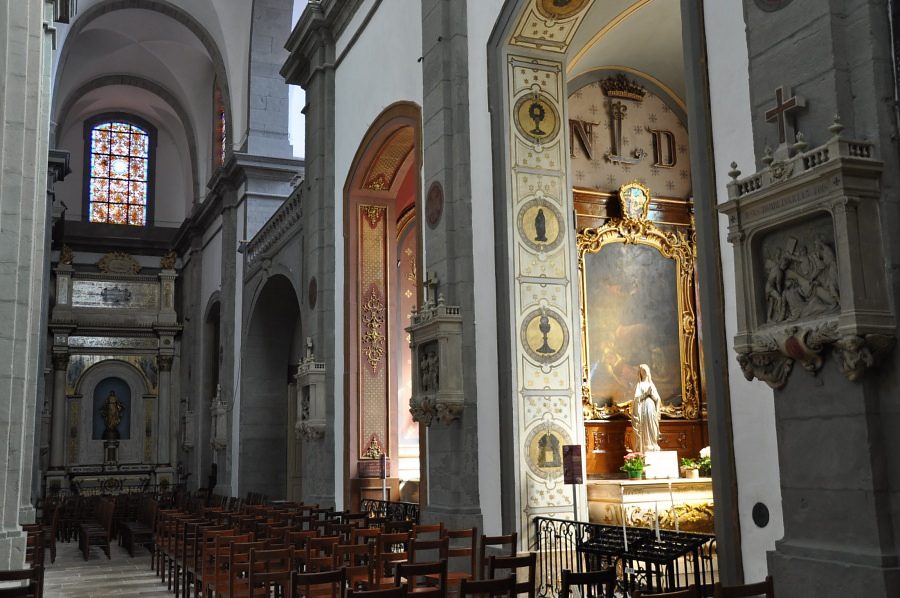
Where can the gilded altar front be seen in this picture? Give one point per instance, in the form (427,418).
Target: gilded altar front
(680,504)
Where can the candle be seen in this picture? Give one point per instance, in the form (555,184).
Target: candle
(624,533)
(656,510)
(674,512)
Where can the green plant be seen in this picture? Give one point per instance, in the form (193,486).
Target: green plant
(705,466)
(690,463)
(633,462)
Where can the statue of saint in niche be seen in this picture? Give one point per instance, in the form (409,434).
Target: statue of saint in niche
(540,227)
(112,411)
(645,412)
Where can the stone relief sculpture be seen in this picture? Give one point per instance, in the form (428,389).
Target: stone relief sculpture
(645,412)
(429,369)
(801,280)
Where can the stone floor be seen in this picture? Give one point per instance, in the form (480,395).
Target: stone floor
(73,577)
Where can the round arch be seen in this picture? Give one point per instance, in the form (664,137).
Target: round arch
(151,86)
(269,352)
(164,8)
(382,200)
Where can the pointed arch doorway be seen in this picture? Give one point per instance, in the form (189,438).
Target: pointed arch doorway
(382,198)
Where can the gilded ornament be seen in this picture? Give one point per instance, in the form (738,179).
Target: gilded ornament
(374,449)
(633,228)
(66,255)
(118,262)
(373,214)
(167,262)
(373,316)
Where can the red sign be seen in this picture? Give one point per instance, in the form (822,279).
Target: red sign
(572,472)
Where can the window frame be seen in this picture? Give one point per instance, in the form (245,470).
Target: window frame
(136,121)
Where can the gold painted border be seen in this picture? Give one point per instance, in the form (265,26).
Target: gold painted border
(678,246)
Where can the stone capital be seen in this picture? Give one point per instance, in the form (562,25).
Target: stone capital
(60,361)
(165,362)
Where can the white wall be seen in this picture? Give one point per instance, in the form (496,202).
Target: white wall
(481,17)
(753,414)
(377,71)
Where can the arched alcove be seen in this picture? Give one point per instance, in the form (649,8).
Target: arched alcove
(267,369)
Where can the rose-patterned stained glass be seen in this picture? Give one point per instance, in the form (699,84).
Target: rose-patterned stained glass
(120,154)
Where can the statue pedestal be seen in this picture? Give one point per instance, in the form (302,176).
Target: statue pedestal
(661,465)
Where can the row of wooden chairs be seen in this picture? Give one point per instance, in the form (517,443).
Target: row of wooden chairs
(22,583)
(210,550)
(753,590)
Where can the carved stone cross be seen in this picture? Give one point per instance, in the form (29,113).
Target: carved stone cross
(778,114)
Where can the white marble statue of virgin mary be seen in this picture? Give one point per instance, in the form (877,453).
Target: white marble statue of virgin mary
(645,409)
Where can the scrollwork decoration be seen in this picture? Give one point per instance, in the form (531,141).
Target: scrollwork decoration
(373,316)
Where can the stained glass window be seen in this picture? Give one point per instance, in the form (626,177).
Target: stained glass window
(219,127)
(119,167)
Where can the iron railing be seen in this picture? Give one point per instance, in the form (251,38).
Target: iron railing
(674,561)
(390,510)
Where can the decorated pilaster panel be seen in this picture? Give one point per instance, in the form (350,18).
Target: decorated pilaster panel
(373,383)
(542,278)
(541,218)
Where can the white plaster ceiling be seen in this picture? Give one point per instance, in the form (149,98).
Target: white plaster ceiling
(149,44)
(644,35)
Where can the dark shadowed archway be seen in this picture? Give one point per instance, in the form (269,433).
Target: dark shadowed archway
(269,354)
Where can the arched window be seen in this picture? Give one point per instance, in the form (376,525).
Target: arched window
(119,170)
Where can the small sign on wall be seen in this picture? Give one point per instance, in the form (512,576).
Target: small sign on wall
(572,471)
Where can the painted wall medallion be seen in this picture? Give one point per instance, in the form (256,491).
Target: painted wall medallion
(545,335)
(536,118)
(560,9)
(545,448)
(434,204)
(313,292)
(539,225)
(772,5)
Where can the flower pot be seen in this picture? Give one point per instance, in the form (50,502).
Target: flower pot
(691,474)
(636,475)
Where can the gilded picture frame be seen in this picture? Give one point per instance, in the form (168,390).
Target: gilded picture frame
(634,228)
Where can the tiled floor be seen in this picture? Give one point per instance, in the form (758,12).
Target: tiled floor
(73,577)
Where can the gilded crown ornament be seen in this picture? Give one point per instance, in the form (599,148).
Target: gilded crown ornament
(621,87)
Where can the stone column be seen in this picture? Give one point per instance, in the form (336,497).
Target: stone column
(27,33)
(311,65)
(452,450)
(166,439)
(58,412)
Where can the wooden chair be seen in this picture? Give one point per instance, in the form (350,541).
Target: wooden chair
(513,564)
(435,550)
(32,589)
(239,568)
(97,533)
(436,530)
(270,570)
(419,578)
(206,562)
(504,586)
(592,583)
(319,554)
(397,527)
(216,564)
(690,592)
(462,551)
(322,584)
(365,535)
(139,532)
(359,561)
(398,592)
(506,545)
(390,550)
(763,588)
